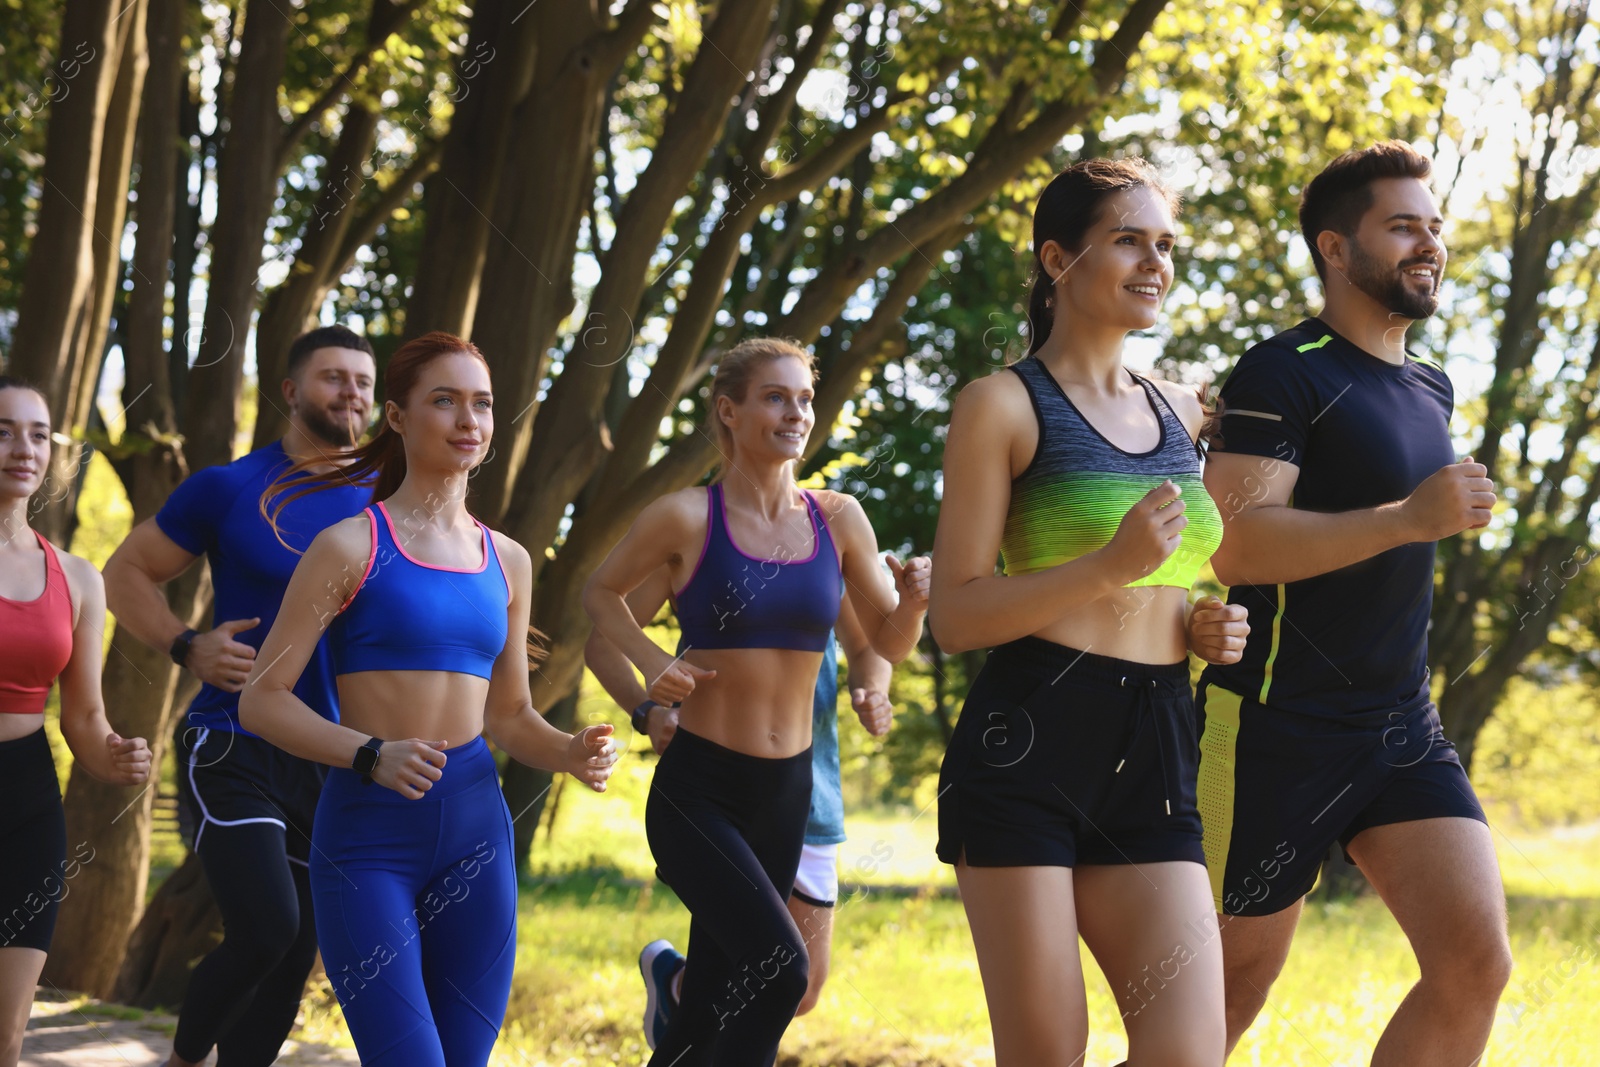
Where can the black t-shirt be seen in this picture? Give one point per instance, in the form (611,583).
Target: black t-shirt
(1363,432)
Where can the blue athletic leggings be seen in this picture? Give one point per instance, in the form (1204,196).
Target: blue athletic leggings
(416,912)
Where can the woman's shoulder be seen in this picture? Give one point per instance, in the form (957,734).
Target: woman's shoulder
(76,568)
(1184,401)
(997,405)
(83,577)
(510,550)
(834,503)
(351,536)
(680,508)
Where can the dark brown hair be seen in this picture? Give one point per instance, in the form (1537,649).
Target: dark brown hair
(1066,210)
(9,382)
(1337,198)
(322,337)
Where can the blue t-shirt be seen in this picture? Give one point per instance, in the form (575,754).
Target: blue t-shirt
(216,513)
(1363,432)
(826,824)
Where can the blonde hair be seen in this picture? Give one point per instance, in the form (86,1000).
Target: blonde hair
(732,380)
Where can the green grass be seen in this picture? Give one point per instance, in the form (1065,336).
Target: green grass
(905,987)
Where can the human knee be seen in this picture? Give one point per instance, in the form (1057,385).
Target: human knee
(793,980)
(1476,966)
(264,941)
(782,974)
(817,976)
(10,1041)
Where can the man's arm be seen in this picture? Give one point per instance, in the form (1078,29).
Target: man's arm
(1267,542)
(146,560)
(867,674)
(616,674)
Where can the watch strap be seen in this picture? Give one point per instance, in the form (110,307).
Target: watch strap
(363,764)
(180,648)
(641,717)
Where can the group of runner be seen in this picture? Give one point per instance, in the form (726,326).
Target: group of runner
(368,629)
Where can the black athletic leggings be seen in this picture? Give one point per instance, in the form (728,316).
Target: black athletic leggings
(726,831)
(265,900)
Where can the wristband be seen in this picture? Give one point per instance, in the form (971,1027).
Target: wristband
(641,717)
(180,648)
(366,760)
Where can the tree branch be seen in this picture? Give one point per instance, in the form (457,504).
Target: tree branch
(386,17)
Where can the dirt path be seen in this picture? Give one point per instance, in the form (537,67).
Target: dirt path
(86,1033)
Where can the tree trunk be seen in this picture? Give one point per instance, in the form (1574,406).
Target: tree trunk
(491,80)
(573,428)
(111,203)
(527,788)
(141,686)
(246,181)
(289,308)
(180,926)
(49,345)
(527,276)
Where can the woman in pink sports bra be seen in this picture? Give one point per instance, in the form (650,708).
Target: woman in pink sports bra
(757,567)
(52,622)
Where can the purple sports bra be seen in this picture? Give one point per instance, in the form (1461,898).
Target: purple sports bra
(734,600)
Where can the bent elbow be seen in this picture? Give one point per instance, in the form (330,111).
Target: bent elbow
(592,648)
(950,639)
(248,718)
(111,575)
(1225,574)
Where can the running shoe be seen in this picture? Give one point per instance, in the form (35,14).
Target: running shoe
(658,963)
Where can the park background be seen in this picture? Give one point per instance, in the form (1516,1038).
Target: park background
(603,196)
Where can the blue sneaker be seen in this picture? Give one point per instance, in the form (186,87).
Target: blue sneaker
(658,963)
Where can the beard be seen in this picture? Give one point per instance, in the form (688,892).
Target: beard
(339,432)
(1388,286)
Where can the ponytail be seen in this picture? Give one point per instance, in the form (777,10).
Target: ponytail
(1041,313)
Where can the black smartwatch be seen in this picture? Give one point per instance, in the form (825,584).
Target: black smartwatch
(641,717)
(180,648)
(366,760)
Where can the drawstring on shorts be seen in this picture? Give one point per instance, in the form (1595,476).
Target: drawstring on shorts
(1145,710)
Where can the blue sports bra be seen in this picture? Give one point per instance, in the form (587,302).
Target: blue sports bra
(733,600)
(414,616)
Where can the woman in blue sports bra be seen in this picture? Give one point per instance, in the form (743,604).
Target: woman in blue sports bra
(412,873)
(758,567)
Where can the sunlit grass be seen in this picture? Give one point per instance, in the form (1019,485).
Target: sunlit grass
(905,987)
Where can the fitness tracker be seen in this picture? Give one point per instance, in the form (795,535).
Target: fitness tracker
(180,648)
(366,760)
(641,717)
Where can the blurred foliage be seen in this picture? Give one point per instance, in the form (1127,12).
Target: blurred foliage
(1539,756)
(28,82)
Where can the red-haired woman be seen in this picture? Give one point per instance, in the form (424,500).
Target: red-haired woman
(52,626)
(414,884)
(758,568)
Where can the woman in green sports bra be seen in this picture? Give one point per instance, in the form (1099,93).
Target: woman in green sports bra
(1067,795)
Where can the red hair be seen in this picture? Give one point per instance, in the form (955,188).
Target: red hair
(382,459)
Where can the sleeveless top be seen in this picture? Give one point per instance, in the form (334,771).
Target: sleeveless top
(733,600)
(1075,492)
(415,616)
(37,637)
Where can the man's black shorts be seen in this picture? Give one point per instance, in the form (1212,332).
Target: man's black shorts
(1278,788)
(234,779)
